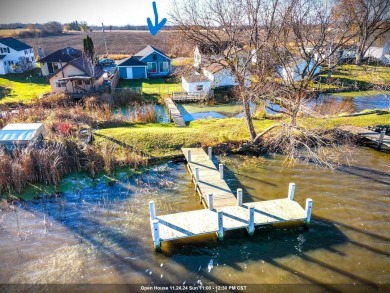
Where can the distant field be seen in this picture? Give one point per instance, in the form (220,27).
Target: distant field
(12,32)
(118,42)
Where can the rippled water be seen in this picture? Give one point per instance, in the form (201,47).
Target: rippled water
(95,233)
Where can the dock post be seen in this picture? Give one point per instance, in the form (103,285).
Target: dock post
(210,201)
(380,139)
(220,226)
(221,170)
(189,156)
(308,207)
(210,151)
(239,197)
(156,235)
(251,221)
(152,210)
(196,177)
(291,191)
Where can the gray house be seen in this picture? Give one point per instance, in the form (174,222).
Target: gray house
(151,59)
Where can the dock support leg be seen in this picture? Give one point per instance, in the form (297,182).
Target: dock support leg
(308,208)
(196,177)
(189,156)
(251,221)
(239,197)
(220,226)
(210,201)
(156,235)
(221,170)
(152,210)
(380,140)
(291,191)
(210,152)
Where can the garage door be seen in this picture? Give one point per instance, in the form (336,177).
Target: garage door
(129,73)
(139,72)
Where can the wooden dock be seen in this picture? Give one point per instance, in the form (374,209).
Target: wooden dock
(185,97)
(210,179)
(223,210)
(174,113)
(381,140)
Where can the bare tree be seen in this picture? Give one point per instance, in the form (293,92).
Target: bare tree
(231,29)
(370,20)
(294,38)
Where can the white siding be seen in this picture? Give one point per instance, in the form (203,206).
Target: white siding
(13,56)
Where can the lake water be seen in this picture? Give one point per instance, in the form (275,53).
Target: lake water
(96,234)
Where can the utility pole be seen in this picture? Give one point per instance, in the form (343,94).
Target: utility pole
(104,38)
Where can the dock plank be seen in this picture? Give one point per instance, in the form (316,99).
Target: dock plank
(367,134)
(200,222)
(210,180)
(174,113)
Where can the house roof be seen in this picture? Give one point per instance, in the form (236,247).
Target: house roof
(195,77)
(132,61)
(14,44)
(2,56)
(216,66)
(65,55)
(20,131)
(147,51)
(82,64)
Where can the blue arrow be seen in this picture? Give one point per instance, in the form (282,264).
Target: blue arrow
(158,25)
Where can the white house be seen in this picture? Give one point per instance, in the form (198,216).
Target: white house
(296,71)
(15,56)
(380,53)
(195,83)
(220,75)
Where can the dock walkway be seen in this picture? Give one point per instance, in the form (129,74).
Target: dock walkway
(174,113)
(223,210)
(210,179)
(369,135)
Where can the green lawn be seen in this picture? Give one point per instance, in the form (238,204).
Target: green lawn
(364,76)
(372,93)
(166,139)
(153,86)
(21,88)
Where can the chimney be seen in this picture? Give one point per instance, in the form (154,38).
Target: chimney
(41,53)
(62,70)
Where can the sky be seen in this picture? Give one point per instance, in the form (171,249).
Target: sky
(110,12)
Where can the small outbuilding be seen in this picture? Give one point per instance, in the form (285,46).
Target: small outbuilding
(132,68)
(195,83)
(21,134)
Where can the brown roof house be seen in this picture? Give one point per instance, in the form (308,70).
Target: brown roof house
(77,77)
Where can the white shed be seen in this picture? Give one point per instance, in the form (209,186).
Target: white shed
(21,133)
(195,83)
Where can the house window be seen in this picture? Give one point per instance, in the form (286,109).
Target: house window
(10,62)
(164,66)
(79,82)
(55,67)
(32,59)
(60,83)
(1,50)
(30,50)
(152,67)
(25,52)
(199,87)
(87,82)
(154,57)
(8,50)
